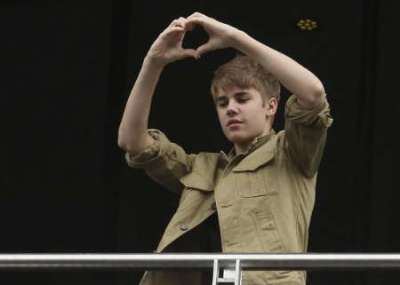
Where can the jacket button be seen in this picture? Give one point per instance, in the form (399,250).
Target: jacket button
(214,206)
(184,227)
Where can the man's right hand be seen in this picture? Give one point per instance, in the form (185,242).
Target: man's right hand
(167,47)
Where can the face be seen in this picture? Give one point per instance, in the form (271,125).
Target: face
(243,115)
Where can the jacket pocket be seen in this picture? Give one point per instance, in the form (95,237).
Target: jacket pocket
(196,189)
(267,232)
(253,184)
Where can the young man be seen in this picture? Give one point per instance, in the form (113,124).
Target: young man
(259,197)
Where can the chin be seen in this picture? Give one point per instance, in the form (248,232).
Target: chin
(238,138)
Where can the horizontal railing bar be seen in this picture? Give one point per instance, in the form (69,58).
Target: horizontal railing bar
(280,261)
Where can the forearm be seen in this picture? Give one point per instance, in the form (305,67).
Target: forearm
(293,76)
(132,136)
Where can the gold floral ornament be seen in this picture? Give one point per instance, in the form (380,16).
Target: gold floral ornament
(307,24)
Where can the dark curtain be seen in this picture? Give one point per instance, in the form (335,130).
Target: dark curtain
(66,72)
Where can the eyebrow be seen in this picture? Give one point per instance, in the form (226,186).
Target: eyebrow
(238,94)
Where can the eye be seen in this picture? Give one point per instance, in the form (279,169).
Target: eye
(242,100)
(222,104)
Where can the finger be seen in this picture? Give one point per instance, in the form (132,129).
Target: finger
(197,14)
(195,18)
(172,31)
(207,47)
(181,22)
(189,53)
(176,29)
(191,23)
(174,23)
(178,22)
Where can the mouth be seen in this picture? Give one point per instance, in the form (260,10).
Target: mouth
(233,123)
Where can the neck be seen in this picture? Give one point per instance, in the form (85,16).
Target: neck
(242,148)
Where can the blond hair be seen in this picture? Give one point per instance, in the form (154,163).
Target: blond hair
(244,72)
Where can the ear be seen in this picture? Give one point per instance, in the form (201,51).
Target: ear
(271,105)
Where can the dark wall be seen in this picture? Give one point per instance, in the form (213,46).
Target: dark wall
(67,70)
(55,70)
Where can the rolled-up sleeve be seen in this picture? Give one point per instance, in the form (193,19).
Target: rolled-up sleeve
(165,162)
(306,132)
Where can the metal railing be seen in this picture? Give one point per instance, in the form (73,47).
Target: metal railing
(234,263)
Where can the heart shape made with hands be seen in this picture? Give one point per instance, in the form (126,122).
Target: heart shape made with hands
(195,37)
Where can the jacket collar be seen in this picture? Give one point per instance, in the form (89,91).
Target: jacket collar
(260,152)
(258,141)
(203,170)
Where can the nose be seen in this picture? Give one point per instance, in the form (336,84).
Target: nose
(232,108)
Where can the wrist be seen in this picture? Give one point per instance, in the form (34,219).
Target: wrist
(238,40)
(153,63)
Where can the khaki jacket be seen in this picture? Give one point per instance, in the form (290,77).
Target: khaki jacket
(264,198)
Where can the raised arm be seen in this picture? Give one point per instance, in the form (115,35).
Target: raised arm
(167,48)
(298,80)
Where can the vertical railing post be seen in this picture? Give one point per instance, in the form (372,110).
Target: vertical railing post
(238,273)
(229,276)
(215,272)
